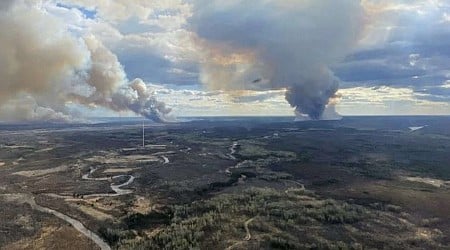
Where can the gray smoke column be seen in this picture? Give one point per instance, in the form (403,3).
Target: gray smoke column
(37,57)
(283,44)
(110,88)
(44,67)
(141,101)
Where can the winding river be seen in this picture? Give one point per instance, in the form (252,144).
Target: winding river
(76,224)
(29,199)
(117,188)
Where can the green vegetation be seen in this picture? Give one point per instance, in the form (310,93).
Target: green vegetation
(219,221)
(358,193)
(253,150)
(293,219)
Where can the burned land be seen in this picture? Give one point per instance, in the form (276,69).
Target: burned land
(222,183)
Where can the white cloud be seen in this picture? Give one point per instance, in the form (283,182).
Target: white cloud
(404,45)
(120,10)
(388,100)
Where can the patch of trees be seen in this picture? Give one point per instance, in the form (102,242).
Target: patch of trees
(210,223)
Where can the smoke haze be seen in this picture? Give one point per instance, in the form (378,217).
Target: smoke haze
(61,60)
(284,44)
(44,67)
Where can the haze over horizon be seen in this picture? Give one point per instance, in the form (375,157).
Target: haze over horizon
(224,124)
(65,60)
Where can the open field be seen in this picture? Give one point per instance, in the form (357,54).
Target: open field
(227,183)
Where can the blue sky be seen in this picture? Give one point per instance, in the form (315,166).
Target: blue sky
(88,14)
(202,57)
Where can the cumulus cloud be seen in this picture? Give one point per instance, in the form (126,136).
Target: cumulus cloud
(251,57)
(383,100)
(402,44)
(121,10)
(405,45)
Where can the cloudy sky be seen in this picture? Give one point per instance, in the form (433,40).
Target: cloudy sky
(66,59)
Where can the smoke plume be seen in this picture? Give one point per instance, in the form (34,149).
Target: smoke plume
(141,101)
(276,45)
(44,67)
(110,89)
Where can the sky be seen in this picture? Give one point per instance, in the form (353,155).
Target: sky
(64,60)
